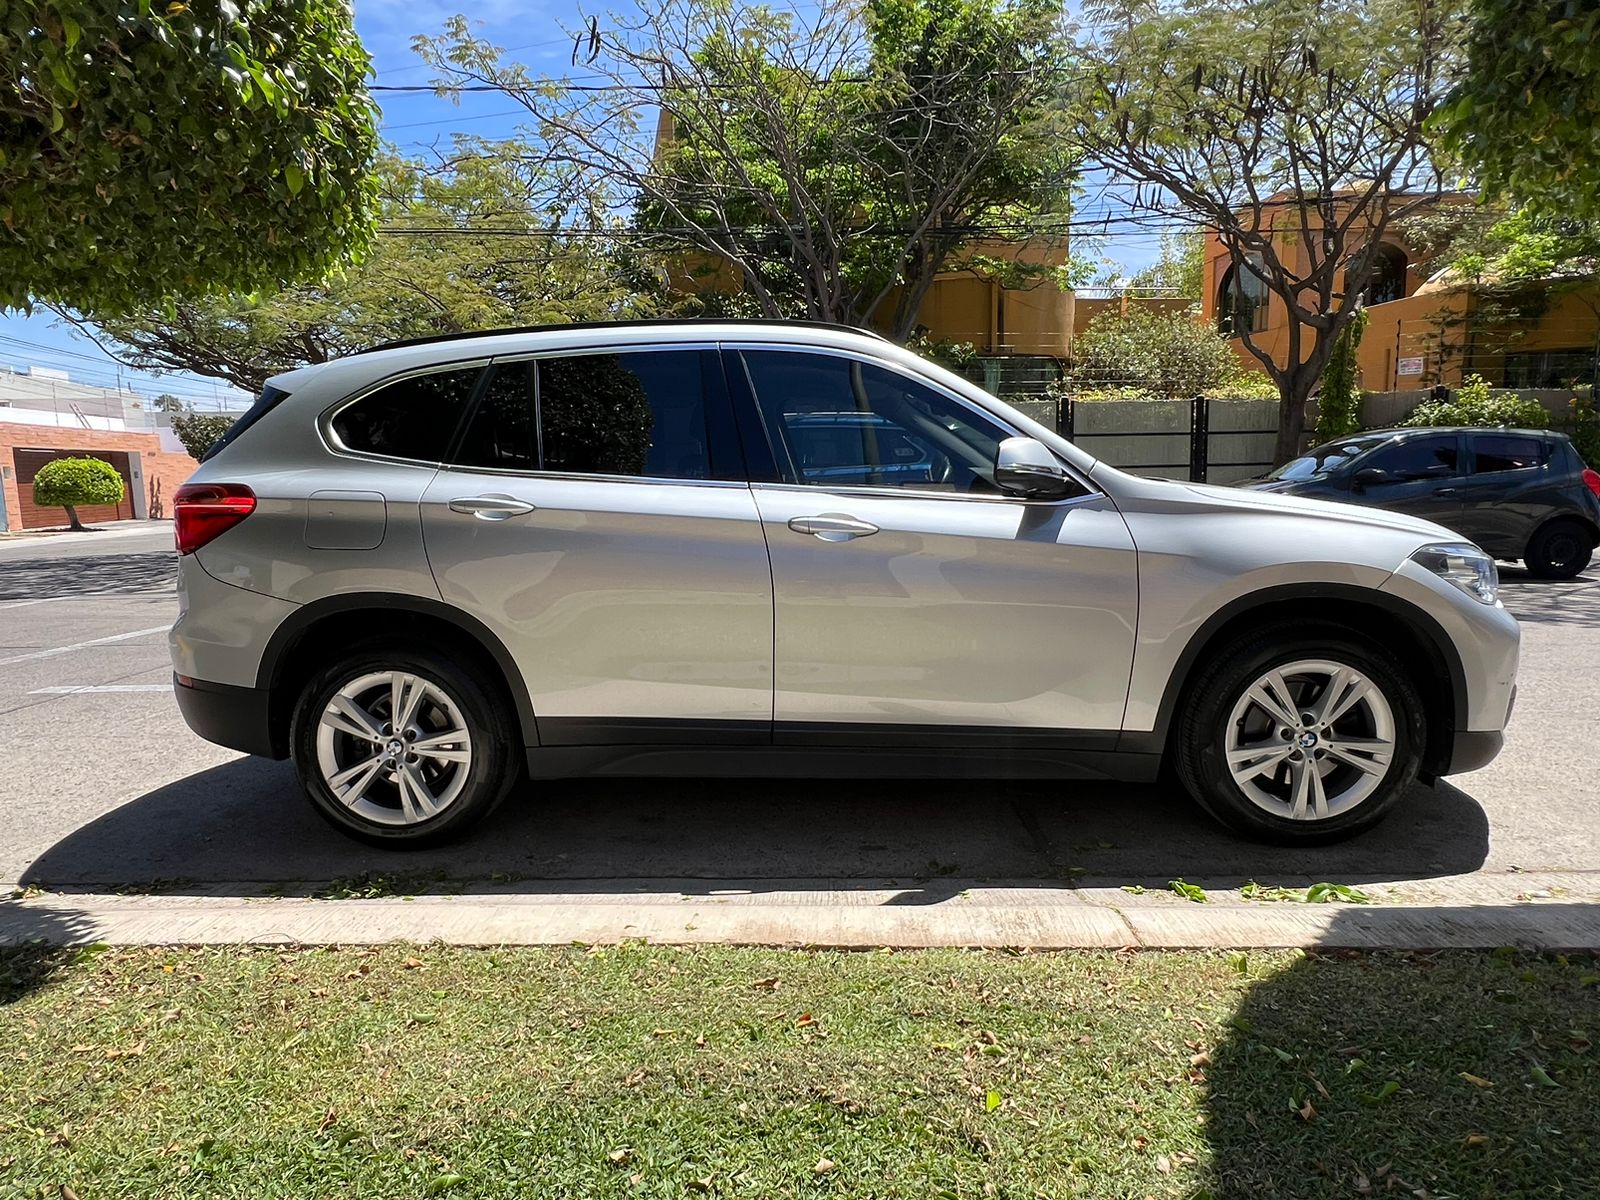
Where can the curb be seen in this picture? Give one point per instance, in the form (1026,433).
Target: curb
(1057,919)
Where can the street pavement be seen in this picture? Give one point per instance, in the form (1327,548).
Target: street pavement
(104,790)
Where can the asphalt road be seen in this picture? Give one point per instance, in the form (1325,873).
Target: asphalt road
(106,788)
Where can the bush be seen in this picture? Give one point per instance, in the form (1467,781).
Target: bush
(69,482)
(1584,427)
(198,431)
(1157,355)
(1476,404)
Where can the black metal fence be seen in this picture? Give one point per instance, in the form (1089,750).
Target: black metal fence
(1191,439)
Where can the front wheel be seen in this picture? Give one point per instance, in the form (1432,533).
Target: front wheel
(402,749)
(1299,739)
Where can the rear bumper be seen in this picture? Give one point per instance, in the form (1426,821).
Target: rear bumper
(236,717)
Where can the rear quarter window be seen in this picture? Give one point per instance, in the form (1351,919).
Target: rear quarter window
(415,417)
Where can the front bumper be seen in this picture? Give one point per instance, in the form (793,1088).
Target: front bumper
(239,718)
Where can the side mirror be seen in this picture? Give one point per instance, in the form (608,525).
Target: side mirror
(1369,477)
(1024,467)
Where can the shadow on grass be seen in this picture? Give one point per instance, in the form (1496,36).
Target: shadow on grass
(36,944)
(1430,1075)
(247,823)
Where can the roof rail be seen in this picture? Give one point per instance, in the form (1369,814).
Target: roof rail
(635,324)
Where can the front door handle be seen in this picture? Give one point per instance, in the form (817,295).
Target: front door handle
(832,527)
(1446,491)
(491,508)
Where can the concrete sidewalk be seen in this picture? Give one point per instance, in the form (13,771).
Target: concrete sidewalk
(1558,912)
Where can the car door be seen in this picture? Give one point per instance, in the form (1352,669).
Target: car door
(1509,490)
(596,518)
(913,601)
(1421,475)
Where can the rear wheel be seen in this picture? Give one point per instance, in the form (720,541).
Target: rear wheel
(1558,550)
(1298,737)
(402,749)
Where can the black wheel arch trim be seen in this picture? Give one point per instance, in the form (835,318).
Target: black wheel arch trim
(299,622)
(1155,740)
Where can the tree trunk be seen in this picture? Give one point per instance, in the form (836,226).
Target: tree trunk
(1293,392)
(72,517)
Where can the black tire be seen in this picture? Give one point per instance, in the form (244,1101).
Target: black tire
(495,748)
(1201,730)
(1558,549)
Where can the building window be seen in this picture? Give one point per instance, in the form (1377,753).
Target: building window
(1388,278)
(1242,299)
(1552,369)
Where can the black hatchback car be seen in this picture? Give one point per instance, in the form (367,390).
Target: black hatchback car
(1517,493)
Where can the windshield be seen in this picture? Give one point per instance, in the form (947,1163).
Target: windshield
(1327,458)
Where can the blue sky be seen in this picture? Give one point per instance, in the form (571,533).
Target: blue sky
(533,30)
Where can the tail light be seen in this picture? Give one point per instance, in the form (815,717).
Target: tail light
(203,511)
(1591,479)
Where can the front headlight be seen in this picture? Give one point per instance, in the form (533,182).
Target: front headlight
(1464,565)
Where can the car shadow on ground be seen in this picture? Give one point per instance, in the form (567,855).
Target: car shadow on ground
(245,824)
(65,578)
(1550,601)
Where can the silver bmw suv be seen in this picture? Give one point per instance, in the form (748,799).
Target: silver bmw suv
(427,571)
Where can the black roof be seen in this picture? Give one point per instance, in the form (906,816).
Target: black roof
(656,323)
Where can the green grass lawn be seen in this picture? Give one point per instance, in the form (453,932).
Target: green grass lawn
(650,1072)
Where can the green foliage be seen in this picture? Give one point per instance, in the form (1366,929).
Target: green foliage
(1583,427)
(1339,402)
(1524,116)
(155,151)
(69,482)
(1476,404)
(1156,354)
(198,431)
(413,284)
(1179,268)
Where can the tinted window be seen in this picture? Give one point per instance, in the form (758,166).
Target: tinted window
(1416,458)
(269,399)
(1498,452)
(625,414)
(410,418)
(501,434)
(845,422)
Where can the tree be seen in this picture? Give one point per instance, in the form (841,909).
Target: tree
(829,164)
(149,152)
(1179,268)
(199,431)
(69,482)
(1524,116)
(1162,355)
(477,241)
(1295,129)
(168,403)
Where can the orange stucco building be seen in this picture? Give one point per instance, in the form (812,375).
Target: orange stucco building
(1419,333)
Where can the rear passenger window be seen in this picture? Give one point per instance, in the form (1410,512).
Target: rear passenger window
(502,436)
(641,414)
(1498,452)
(411,418)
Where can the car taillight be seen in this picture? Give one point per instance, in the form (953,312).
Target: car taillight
(202,511)
(1592,479)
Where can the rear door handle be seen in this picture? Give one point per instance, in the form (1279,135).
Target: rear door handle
(1447,491)
(832,527)
(491,508)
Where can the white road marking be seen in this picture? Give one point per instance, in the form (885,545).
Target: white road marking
(25,603)
(55,650)
(102,687)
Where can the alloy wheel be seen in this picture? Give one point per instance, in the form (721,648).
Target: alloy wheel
(1310,740)
(393,747)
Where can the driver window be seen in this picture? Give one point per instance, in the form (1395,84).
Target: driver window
(844,423)
(1416,458)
